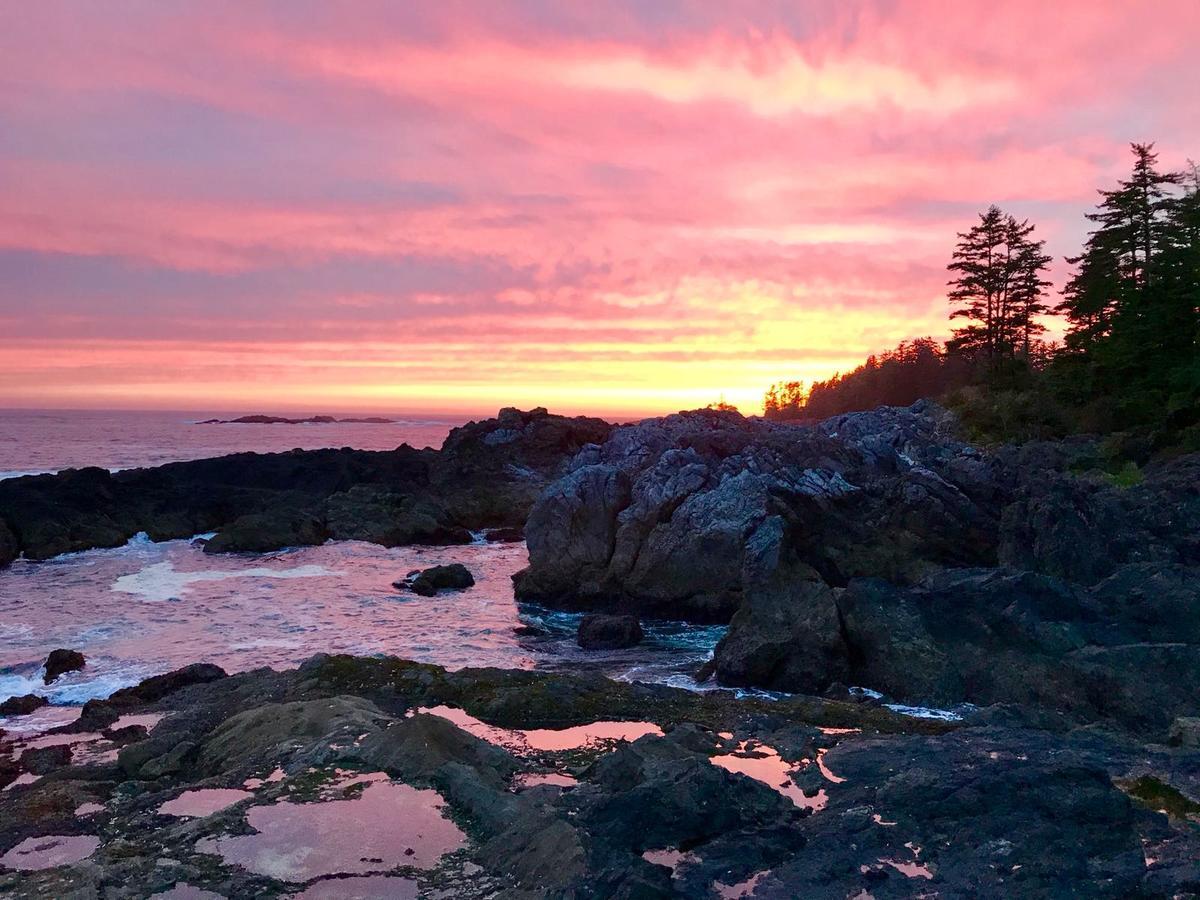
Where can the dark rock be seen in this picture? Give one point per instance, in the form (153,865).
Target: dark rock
(530,631)
(604,632)
(487,475)
(160,686)
(428,582)
(96,715)
(505,535)
(43,760)
(261,532)
(61,661)
(1185,732)
(22,706)
(130,734)
(675,516)
(9,548)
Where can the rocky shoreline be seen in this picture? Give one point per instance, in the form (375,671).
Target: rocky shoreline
(1060,611)
(798,797)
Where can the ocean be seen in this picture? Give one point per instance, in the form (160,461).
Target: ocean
(38,441)
(147,608)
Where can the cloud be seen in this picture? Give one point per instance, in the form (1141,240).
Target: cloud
(615,206)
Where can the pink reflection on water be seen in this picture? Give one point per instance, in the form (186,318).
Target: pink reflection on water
(741,889)
(389,824)
(203,802)
(185,891)
(255,783)
(836,779)
(88,809)
(669,858)
(548,739)
(50,851)
(367,887)
(763,763)
(533,779)
(910,869)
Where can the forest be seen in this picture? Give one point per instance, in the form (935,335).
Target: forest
(1129,364)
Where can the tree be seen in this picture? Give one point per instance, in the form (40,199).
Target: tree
(998,287)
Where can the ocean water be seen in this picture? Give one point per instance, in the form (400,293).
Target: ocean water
(147,608)
(37,441)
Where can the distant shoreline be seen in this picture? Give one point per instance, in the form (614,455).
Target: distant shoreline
(310,420)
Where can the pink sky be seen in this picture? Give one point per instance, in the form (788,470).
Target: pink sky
(605,207)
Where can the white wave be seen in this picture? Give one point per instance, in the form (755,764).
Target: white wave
(96,681)
(925,712)
(161,581)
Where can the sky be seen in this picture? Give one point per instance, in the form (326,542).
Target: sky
(606,207)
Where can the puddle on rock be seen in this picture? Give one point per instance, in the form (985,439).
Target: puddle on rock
(254,784)
(185,891)
(389,824)
(22,779)
(88,809)
(203,802)
(909,869)
(669,858)
(836,779)
(367,887)
(533,779)
(546,739)
(50,851)
(741,889)
(763,763)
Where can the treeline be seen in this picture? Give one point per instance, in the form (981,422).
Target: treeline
(1131,357)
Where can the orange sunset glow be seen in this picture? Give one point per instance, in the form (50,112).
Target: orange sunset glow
(462,206)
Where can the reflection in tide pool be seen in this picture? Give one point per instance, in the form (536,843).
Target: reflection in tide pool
(763,763)
(546,739)
(203,802)
(389,824)
(147,608)
(49,851)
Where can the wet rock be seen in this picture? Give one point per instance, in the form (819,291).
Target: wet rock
(130,734)
(1185,732)
(96,715)
(9,548)
(428,582)
(487,474)
(61,661)
(506,535)
(276,731)
(604,632)
(261,532)
(159,686)
(22,706)
(43,760)
(674,516)
(381,516)
(419,747)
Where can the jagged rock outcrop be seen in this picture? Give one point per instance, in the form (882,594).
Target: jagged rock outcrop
(486,475)
(675,516)
(875,549)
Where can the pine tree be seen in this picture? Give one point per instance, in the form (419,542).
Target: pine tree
(998,287)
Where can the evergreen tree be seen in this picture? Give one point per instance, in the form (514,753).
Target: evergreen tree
(998,287)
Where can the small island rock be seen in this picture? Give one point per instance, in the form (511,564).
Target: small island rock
(61,661)
(598,631)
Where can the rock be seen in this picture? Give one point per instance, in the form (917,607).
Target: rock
(130,734)
(487,475)
(43,760)
(9,548)
(96,715)
(428,582)
(22,706)
(261,532)
(672,517)
(603,632)
(1185,732)
(505,535)
(159,686)
(786,636)
(61,661)
(417,749)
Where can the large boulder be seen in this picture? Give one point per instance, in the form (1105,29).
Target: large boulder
(666,515)
(61,661)
(9,548)
(262,532)
(603,632)
(22,706)
(428,582)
